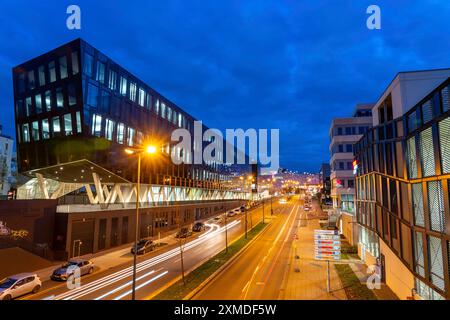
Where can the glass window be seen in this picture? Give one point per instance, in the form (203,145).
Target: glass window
(41,72)
(75,65)
(105,101)
(163,110)
(411,157)
(63,67)
(56,126)
(45,129)
(180,120)
(109,129)
(35,130)
(19,108)
(445,94)
(141,97)
(100,72)
(38,101)
(48,100)
(59,98)
(92,95)
(427,152)
(68,124)
(417,202)
(157,106)
(120,132)
(78,121)
(412,122)
(436,262)
(130,136)
(419,261)
(112,80)
(31,80)
(52,71)
(28,106)
(21,82)
(71,92)
(149,101)
(96,125)
(123,86)
(169,113)
(132,91)
(348,148)
(427,111)
(436,205)
(88,66)
(25,133)
(444,139)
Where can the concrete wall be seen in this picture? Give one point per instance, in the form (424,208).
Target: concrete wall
(349,228)
(398,276)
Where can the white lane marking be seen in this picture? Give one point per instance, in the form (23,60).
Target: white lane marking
(142,285)
(117,276)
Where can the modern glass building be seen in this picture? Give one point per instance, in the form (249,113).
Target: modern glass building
(74,103)
(402,184)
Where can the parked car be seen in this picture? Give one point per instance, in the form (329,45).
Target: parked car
(68,269)
(242,209)
(144,246)
(19,285)
(198,227)
(237,210)
(217,219)
(231,213)
(184,233)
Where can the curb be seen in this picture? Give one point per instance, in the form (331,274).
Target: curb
(222,268)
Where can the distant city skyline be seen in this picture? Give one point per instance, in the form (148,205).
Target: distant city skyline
(245,64)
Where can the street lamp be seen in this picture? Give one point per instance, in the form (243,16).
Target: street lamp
(149,149)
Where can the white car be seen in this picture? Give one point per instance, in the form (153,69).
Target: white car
(19,285)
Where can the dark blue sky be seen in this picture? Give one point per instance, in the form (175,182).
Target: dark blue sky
(292,65)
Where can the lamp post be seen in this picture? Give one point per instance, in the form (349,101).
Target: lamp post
(139,151)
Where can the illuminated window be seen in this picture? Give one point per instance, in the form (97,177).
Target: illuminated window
(109,128)
(100,75)
(130,136)
(78,121)
(35,130)
(28,106)
(63,67)
(59,98)
(68,124)
(149,101)
(157,106)
(45,129)
(141,97)
(123,86)
(48,100)
(163,110)
(120,132)
(41,72)
(38,101)
(25,132)
(112,80)
(132,91)
(88,65)
(56,126)
(169,113)
(52,71)
(96,125)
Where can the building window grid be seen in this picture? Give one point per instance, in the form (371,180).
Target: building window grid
(417,202)
(436,262)
(427,153)
(444,142)
(419,260)
(436,206)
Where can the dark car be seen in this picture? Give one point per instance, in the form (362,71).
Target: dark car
(184,233)
(144,246)
(198,227)
(68,269)
(242,209)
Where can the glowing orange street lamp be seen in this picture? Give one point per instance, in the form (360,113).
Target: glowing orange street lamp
(149,149)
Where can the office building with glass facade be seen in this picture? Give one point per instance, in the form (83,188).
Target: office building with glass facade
(402,184)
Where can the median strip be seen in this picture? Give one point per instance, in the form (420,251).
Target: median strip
(196,277)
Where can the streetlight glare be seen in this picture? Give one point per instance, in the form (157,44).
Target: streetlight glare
(151,149)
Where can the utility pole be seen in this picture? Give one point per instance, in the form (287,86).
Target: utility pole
(181,246)
(226,233)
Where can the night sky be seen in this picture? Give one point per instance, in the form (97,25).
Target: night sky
(292,65)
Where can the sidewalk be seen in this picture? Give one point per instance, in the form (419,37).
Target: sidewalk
(310,283)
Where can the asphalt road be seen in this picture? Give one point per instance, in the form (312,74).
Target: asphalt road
(259,272)
(154,270)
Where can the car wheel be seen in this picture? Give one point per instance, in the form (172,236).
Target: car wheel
(36,289)
(91,270)
(7,297)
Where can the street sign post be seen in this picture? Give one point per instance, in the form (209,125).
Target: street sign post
(327,246)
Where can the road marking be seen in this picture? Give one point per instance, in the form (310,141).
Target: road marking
(142,285)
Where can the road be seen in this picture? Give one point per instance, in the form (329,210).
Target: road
(154,270)
(259,272)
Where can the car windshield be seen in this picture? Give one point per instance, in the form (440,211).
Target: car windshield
(142,242)
(70,263)
(7,283)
